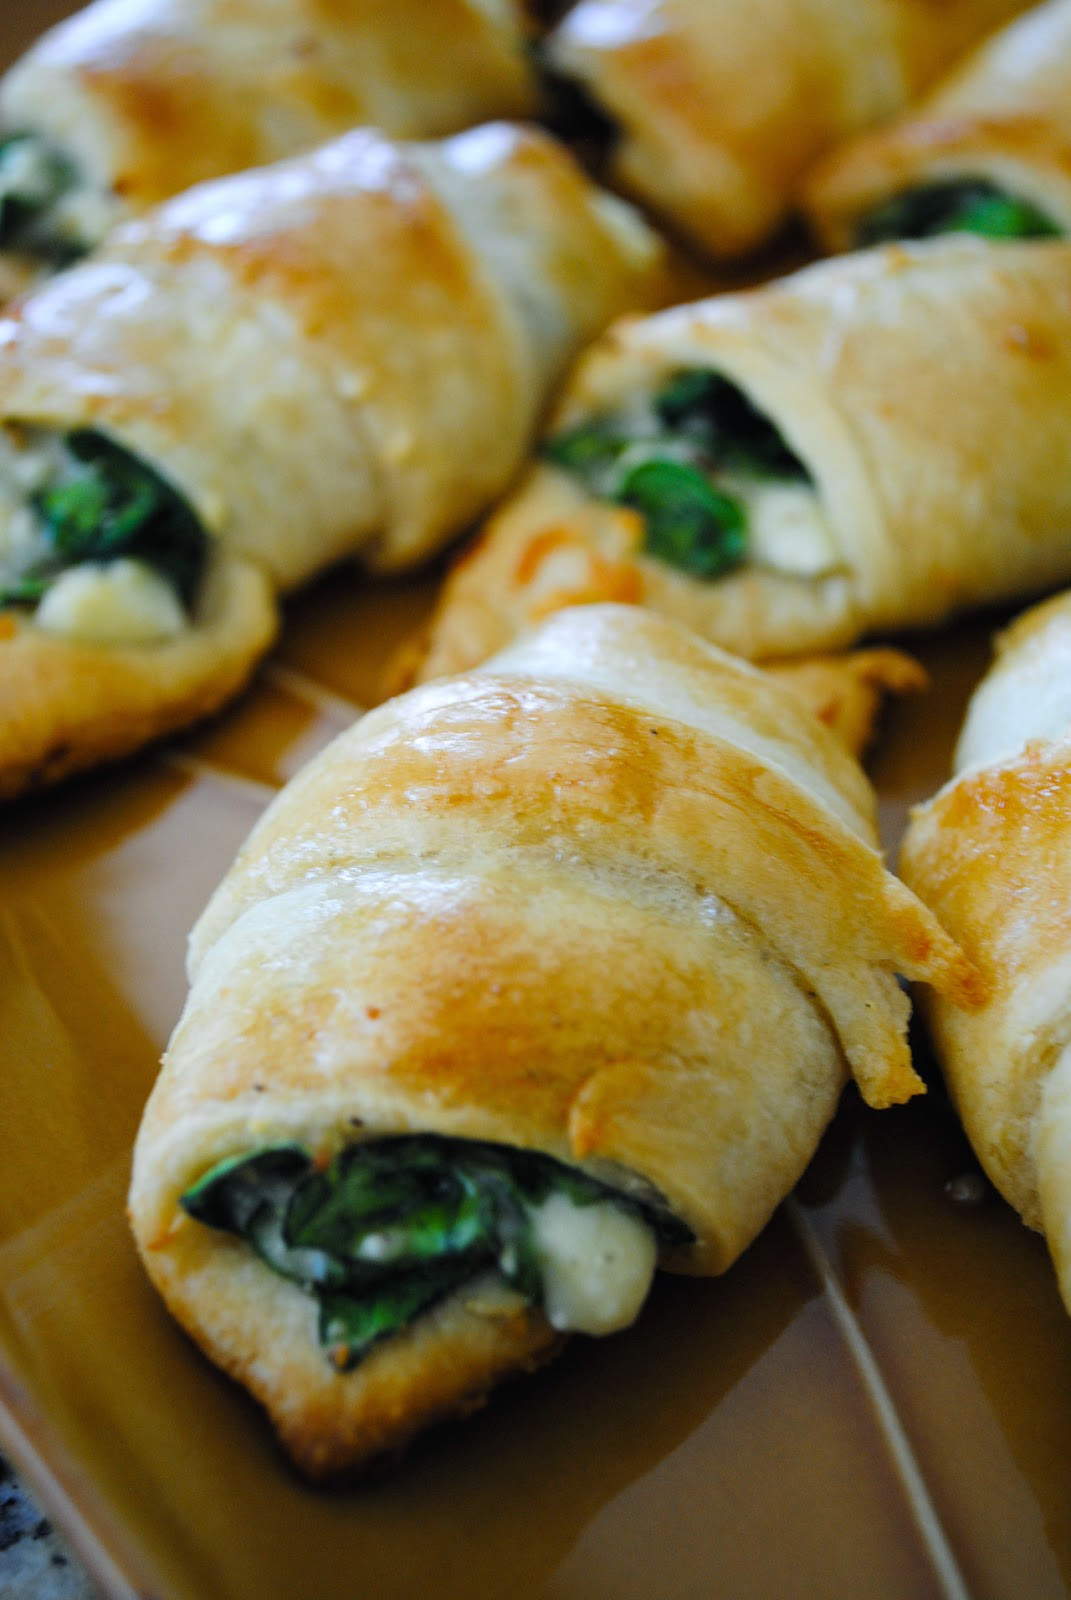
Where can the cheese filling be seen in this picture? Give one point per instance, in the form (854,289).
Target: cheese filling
(92,542)
(787,530)
(596,1262)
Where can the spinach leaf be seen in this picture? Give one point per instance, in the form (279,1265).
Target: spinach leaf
(369,1208)
(350,1324)
(389,1227)
(665,461)
(22,591)
(569,110)
(110,504)
(688,523)
(956,206)
(590,451)
(702,406)
(230,1193)
(33,177)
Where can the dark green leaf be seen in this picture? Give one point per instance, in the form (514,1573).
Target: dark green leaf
(368,1212)
(26,590)
(730,433)
(25,206)
(231,1192)
(588,451)
(689,524)
(392,1225)
(956,206)
(570,112)
(350,1325)
(112,506)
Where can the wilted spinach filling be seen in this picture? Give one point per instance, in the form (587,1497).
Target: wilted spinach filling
(101,503)
(570,112)
(665,461)
(35,180)
(389,1228)
(956,206)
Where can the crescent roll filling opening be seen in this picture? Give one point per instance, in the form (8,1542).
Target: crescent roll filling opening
(388,1228)
(712,477)
(94,541)
(574,116)
(49,211)
(956,205)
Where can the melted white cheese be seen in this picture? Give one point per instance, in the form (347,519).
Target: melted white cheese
(786,528)
(597,1263)
(112,602)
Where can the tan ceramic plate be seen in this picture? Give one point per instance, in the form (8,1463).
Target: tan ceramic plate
(875,1402)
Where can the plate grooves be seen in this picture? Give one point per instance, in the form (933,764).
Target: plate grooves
(250,789)
(335,707)
(950,1579)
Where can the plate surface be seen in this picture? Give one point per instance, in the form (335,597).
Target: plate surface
(876,1400)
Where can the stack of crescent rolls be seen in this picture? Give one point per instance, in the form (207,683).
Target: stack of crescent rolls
(591,922)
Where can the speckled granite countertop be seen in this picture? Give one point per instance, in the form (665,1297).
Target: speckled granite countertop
(35,1564)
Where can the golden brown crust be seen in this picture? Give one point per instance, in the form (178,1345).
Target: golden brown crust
(630,918)
(69,706)
(1003,115)
(847,692)
(723,104)
(893,375)
(989,855)
(155,101)
(329,1422)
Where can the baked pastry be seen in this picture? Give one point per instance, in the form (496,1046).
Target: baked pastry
(710,111)
(532,978)
(346,354)
(124,105)
(876,442)
(989,853)
(989,151)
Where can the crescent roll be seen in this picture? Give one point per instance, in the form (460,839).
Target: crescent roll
(342,355)
(988,152)
(990,855)
(877,442)
(582,945)
(712,110)
(131,101)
